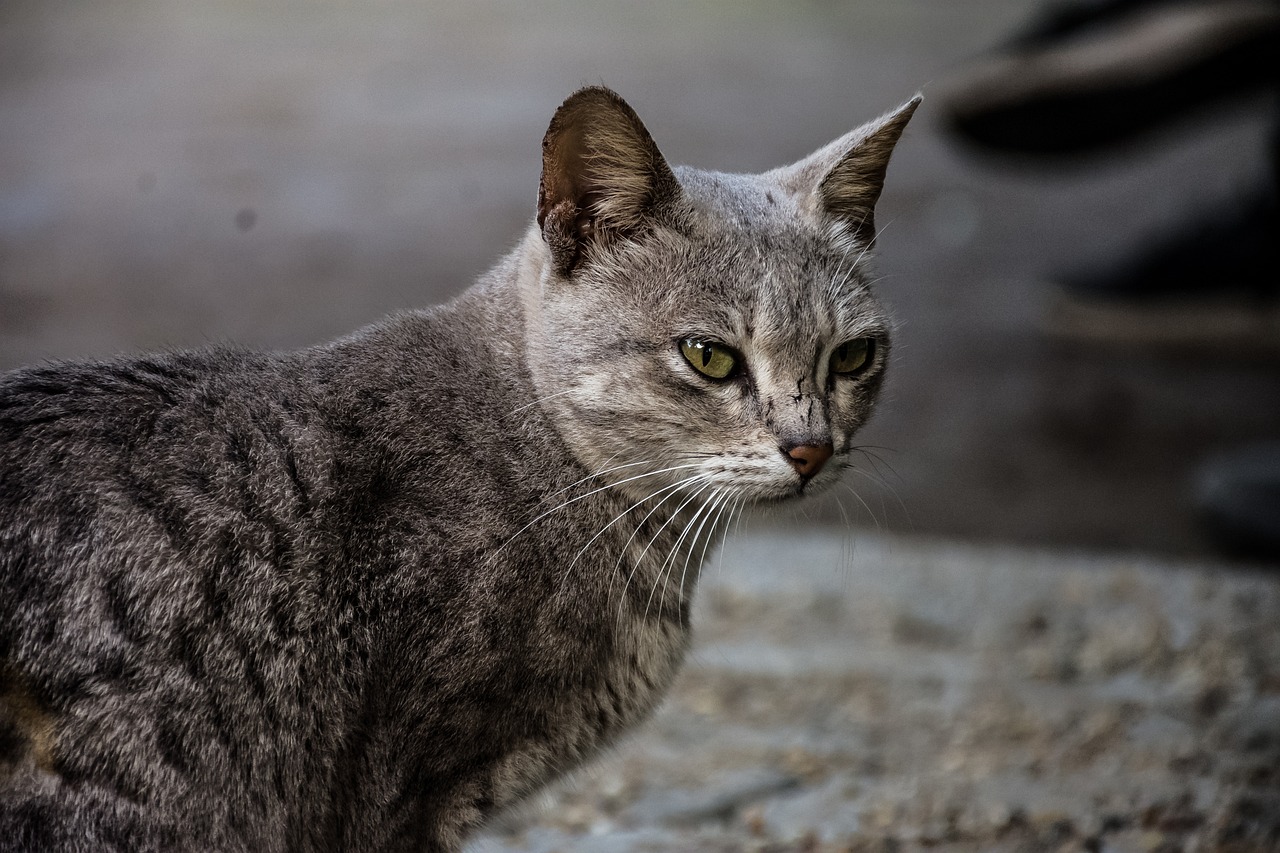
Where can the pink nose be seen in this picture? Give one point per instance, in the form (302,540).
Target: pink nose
(808,459)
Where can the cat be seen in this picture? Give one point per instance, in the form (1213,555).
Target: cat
(363,596)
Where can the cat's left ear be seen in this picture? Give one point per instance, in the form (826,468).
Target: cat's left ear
(841,183)
(602,176)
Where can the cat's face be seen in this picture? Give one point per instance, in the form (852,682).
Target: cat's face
(724,344)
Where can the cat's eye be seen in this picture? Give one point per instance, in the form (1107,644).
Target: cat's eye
(716,361)
(852,357)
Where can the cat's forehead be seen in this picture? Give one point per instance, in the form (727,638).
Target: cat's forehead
(768,258)
(720,199)
(756,222)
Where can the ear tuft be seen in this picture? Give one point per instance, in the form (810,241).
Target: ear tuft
(846,177)
(602,175)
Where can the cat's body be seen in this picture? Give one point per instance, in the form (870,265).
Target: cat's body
(259,622)
(364,595)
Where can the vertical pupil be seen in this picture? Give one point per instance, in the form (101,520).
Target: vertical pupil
(843,352)
(706,355)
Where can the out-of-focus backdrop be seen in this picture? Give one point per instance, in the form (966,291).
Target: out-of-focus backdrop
(278,173)
(1085,674)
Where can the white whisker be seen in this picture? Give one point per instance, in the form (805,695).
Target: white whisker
(711,535)
(589,494)
(601,473)
(713,502)
(865,506)
(619,517)
(640,560)
(622,553)
(675,550)
(735,517)
(540,400)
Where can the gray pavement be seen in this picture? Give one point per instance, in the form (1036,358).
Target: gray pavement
(881,693)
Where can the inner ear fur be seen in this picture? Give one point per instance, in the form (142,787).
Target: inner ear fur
(602,175)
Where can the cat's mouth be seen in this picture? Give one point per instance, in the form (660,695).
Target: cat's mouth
(801,487)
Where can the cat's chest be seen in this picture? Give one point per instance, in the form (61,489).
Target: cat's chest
(602,663)
(622,688)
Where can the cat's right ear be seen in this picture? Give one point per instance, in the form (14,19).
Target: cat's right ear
(841,183)
(602,176)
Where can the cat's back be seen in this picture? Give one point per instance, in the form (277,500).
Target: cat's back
(82,442)
(67,407)
(139,498)
(225,454)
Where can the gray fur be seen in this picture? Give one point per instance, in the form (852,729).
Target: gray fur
(363,596)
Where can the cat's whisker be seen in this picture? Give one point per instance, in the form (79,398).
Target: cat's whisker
(716,502)
(601,473)
(640,525)
(872,475)
(844,516)
(589,494)
(876,461)
(540,400)
(675,550)
(713,502)
(711,535)
(604,471)
(865,506)
(640,560)
(882,447)
(886,486)
(735,509)
(876,477)
(872,451)
(846,541)
(618,518)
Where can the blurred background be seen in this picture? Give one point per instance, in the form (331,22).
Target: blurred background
(277,173)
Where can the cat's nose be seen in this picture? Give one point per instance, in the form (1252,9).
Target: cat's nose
(808,459)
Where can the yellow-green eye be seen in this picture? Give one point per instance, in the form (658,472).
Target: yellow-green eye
(852,356)
(714,360)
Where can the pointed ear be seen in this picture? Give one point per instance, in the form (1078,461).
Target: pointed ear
(843,180)
(602,176)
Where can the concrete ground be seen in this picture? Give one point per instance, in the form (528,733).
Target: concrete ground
(888,694)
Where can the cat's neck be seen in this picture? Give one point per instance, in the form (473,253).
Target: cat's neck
(469,358)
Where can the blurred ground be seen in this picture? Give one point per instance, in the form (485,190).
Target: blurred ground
(278,173)
(885,694)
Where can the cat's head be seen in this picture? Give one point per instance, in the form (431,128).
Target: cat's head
(705,329)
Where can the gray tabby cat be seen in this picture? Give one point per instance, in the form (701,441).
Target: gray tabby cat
(364,595)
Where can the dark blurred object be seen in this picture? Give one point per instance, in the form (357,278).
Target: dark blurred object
(1087,76)
(1239,494)
(1233,253)
(1092,74)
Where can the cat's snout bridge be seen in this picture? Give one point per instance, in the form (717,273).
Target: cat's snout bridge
(808,459)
